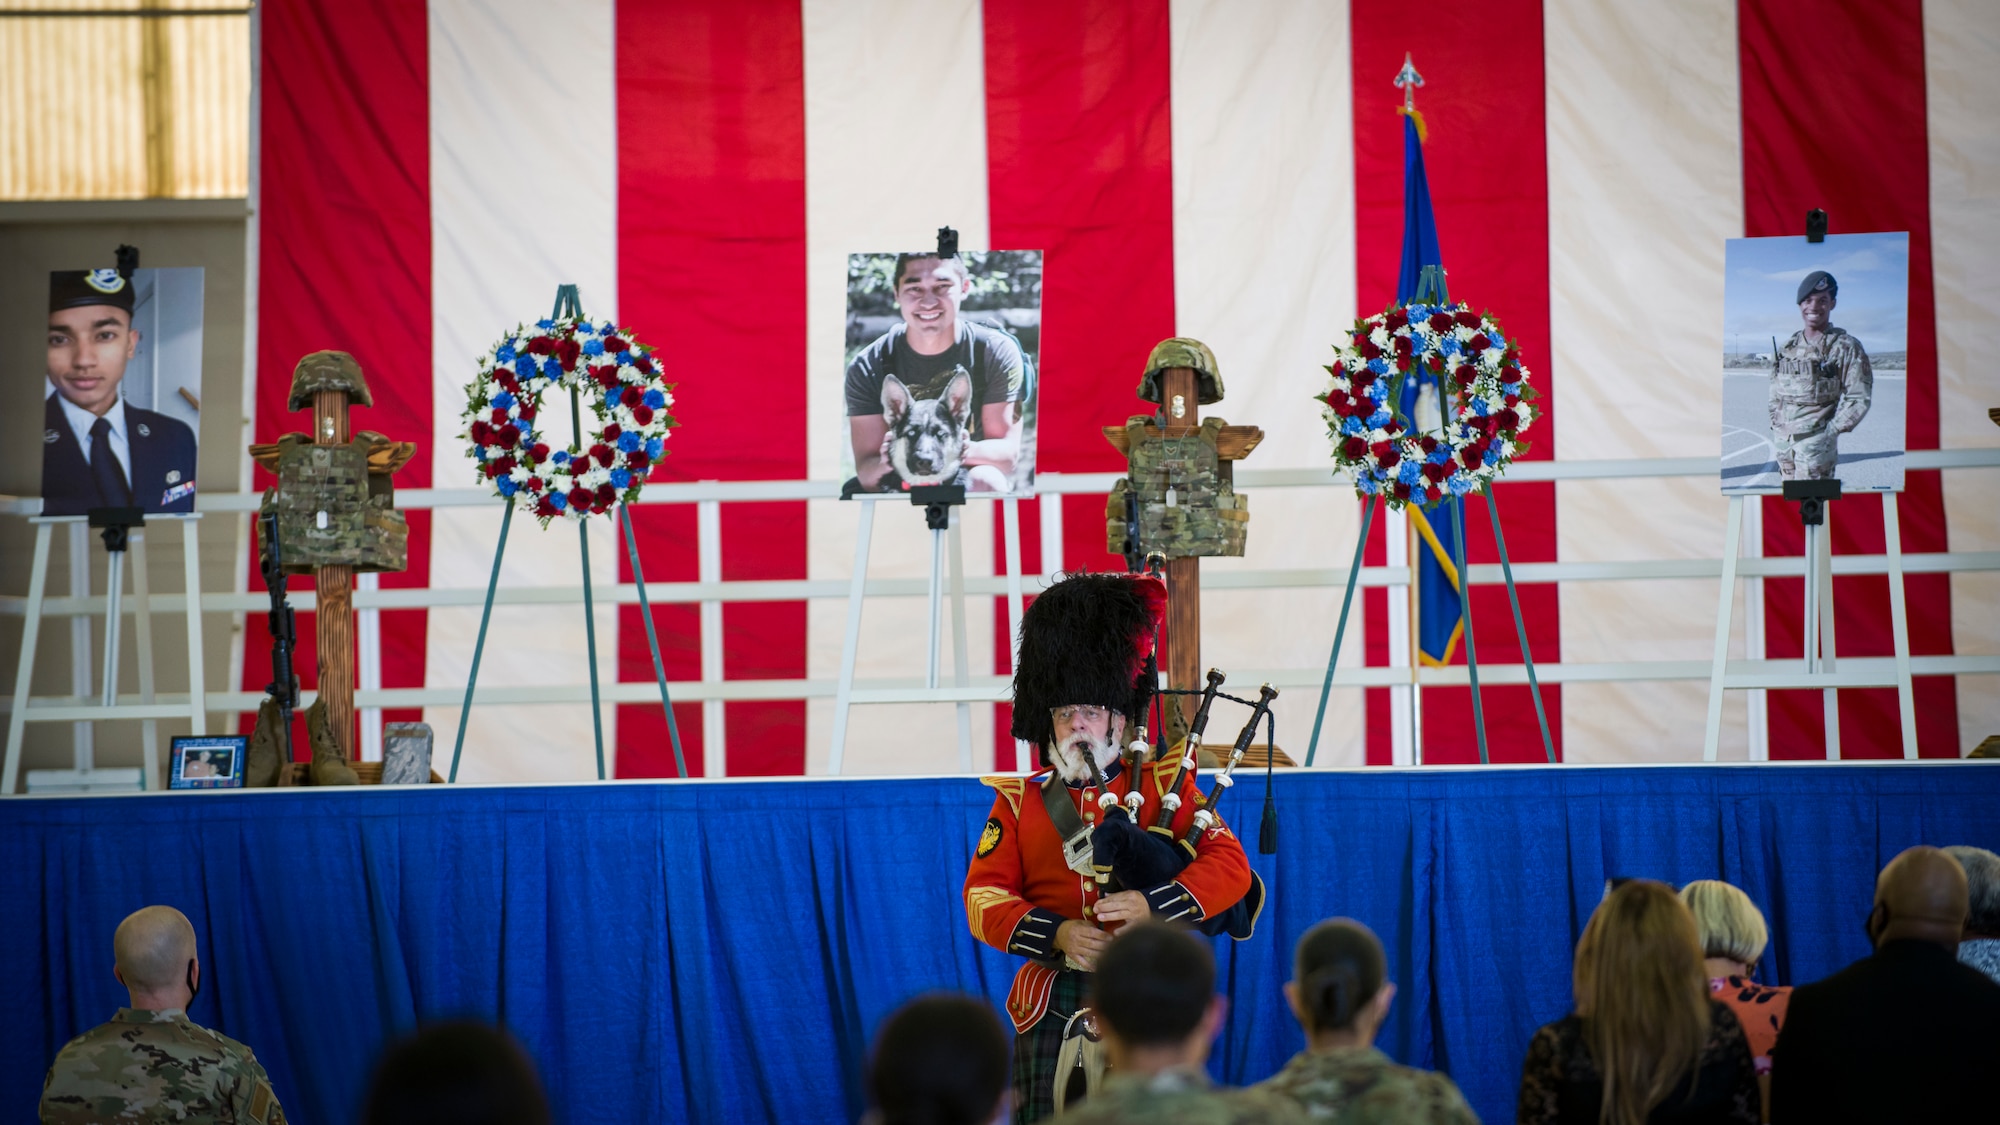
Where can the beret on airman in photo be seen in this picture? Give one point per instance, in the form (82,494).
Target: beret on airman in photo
(71,289)
(1816,281)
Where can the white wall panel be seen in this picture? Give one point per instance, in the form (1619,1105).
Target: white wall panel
(507,227)
(1645,184)
(895,148)
(1962,73)
(1264,273)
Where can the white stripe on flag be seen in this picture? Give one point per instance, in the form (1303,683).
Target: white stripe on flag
(895,148)
(1962,80)
(1645,184)
(1264,274)
(523,198)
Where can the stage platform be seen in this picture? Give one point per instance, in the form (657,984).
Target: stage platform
(720,951)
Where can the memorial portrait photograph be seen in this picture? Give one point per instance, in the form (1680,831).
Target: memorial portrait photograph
(1815,351)
(207,762)
(940,370)
(121,409)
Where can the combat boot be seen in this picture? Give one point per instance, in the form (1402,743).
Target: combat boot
(329,765)
(267,756)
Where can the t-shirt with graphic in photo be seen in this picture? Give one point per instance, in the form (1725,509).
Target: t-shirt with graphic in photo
(991,355)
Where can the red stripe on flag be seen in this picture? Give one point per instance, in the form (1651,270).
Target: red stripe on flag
(351,79)
(1815,137)
(712,264)
(1488,164)
(1080,166)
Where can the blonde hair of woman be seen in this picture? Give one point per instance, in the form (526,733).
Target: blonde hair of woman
(1643,997)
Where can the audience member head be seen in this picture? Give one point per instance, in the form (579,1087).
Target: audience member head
(1730,927)
(1920,896)
(1339,988)
(153,957)
(940,1059)
(1982,890)
(1643,997)
(1154,997)
(455,1074)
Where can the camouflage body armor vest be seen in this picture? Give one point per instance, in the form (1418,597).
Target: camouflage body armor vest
(1188,505)
(332,511)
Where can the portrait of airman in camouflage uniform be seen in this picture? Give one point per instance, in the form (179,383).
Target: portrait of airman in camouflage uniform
(1821,386)
(150,1063)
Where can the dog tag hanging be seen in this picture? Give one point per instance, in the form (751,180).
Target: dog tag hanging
(1173,498)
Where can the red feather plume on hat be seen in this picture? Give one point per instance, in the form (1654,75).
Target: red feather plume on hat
(1153,592)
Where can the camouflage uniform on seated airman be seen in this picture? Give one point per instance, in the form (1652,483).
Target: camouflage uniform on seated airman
(1181,1097)
(1363,1086)
(147,1066)
(150,1063)
(1821,386)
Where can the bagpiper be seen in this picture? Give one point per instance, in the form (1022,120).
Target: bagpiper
(1035,888)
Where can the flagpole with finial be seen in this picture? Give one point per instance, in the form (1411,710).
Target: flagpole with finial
(1407,80)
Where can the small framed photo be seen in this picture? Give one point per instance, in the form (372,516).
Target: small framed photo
(208,762)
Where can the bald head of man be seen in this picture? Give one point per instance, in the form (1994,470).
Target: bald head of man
(155,959)
(1921,895)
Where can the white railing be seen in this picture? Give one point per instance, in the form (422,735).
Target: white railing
(712,591)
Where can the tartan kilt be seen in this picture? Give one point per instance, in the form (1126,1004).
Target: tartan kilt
(1036,1049)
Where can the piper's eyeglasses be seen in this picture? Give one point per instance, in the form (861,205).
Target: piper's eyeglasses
(1080,712)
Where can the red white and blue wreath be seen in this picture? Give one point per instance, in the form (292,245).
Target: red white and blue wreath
(1483,398)
(618,383)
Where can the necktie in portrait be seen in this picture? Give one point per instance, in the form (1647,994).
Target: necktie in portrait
(105,470)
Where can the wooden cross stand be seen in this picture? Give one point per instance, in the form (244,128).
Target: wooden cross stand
(1181,408)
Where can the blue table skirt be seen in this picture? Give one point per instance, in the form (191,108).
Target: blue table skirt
(722,951)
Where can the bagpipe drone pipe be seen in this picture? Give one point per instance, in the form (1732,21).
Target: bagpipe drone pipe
(1147,858)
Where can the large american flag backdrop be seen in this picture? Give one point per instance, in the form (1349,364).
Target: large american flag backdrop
(1226,169)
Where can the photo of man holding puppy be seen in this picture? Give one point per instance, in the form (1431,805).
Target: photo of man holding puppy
(940,391)
(98,451)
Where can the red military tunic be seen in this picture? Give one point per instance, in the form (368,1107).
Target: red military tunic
(1018,889)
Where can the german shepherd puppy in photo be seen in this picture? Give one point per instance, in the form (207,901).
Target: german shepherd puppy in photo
(927,436)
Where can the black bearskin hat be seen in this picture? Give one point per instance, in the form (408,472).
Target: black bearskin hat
(1087,639)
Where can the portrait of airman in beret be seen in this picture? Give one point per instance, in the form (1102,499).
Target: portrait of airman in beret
(1815,361)
(1821,385)
(98,450)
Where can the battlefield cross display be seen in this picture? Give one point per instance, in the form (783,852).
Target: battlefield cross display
(1178,499)
(334,512)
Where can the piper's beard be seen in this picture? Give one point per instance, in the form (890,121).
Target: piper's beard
(1070,760)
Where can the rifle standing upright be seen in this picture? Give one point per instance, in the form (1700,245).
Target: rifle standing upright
(284,686)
